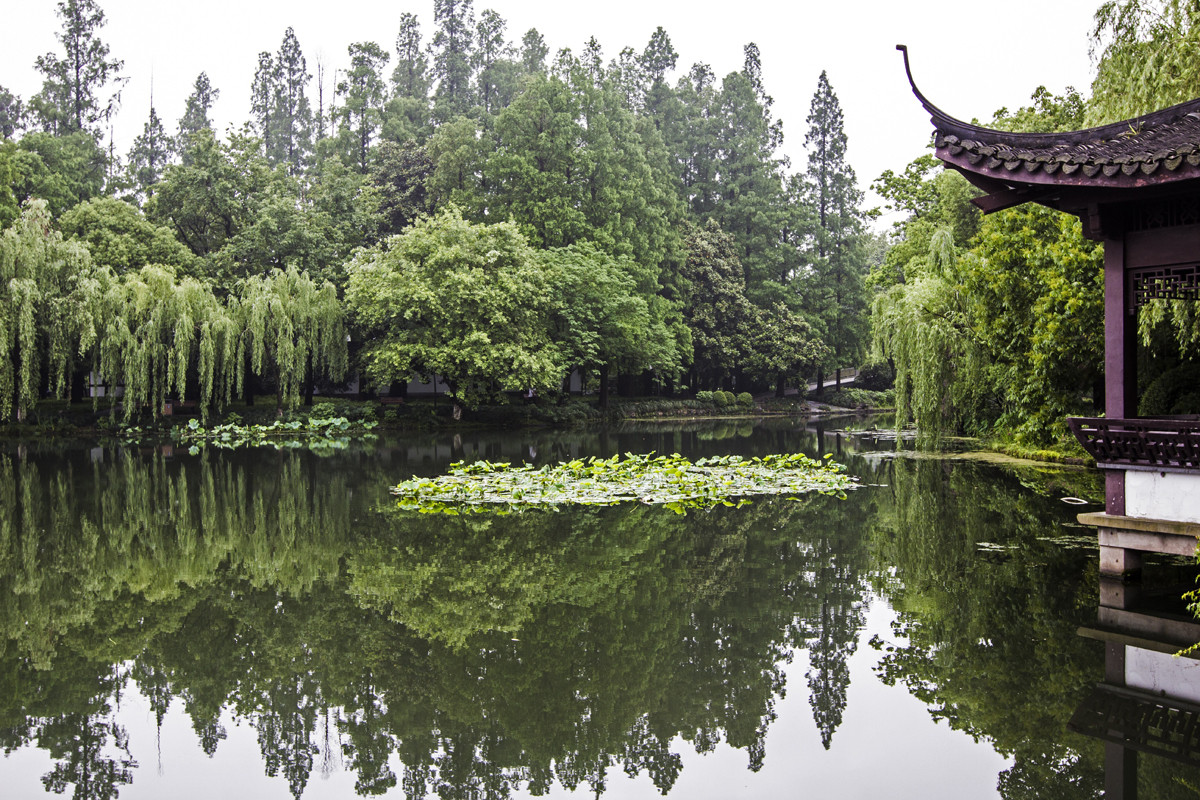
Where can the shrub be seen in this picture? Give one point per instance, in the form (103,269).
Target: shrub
(1173,392)
(876,377)
(745,400)
(723,399)
(705,396)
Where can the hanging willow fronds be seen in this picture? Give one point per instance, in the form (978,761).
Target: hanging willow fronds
(47,293)
(290,323)
(157,329)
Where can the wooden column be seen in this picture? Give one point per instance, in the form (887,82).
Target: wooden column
(1120,359)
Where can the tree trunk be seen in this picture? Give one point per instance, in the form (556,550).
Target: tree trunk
(820,383)
(308,384)
(604,385)
(780,384)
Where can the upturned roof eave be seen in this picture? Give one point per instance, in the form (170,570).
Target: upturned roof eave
(947,124)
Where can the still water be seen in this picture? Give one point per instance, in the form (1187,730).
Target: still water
(265,624)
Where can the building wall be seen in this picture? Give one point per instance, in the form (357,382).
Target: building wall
(1162,495)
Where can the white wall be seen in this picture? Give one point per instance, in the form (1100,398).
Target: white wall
(1162,495)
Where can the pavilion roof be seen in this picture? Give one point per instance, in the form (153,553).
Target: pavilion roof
(1146,151)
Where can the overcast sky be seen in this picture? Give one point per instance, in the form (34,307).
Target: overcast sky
(969,60)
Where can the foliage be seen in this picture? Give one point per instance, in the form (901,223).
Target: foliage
(119,237)
(71,99)
(1175,391)
(1002,328)
(463,301)
(316,433)
(48,291)
(674,482)
(293,329)
(157,331)
(1145,54)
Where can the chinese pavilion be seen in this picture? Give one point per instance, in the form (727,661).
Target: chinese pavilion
(1135,186)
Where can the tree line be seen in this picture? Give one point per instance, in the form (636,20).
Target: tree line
(467,207)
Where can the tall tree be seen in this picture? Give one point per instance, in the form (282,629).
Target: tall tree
(452,50)
(292,115)
(493,69)
(363,91)
(839,255)
(195,112)
(72,96)
(262,98)
(410,78)
(534,51)
(12,114)
(149,156)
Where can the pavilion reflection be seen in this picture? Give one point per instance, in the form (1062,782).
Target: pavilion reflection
(1149,702)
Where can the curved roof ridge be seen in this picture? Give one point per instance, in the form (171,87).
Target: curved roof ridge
(945,123)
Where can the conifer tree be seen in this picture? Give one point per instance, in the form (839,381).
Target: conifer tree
(149,156)
(534,51)
(452,49)
(410,78)
(491,55)
(839,257)
(291,113)
(195,113)
(12,114)
(363,91)
(72,95)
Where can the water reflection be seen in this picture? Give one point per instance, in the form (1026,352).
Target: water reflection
(489,656)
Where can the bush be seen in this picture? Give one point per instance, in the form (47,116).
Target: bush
(705,396)
(876,377)
(1173,392)
(745,400)
(723,399)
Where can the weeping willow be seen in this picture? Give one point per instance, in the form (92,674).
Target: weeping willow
(922,327)
(1183,318)
(157,329)
(291,325)
(48,290)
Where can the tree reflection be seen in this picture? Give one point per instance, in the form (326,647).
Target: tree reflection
(493,654)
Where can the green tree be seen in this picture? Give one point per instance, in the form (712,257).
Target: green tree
(48,314)
(160,334)
(401,176)
(12,114)
(149,156)
(466,302)
(495,71)
(534,52)
(119,237)
(293,332)
(292,115)
(601,320)
(839,296)
(452,49)
(195,113)
(361,113)
(62,170)
(72,96)
(407,113)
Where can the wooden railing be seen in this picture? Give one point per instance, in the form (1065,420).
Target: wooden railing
(1146,443)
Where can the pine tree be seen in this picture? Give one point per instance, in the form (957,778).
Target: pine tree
(195,113)
(262,98)
(149,156)
(534,52)
(363,91)
(291,114)
(71,98)
(839,257)
(452,50)
(410,78)
(491,53)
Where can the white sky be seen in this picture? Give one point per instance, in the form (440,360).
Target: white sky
(969,60)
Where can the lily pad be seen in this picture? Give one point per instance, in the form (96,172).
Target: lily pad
(671,481)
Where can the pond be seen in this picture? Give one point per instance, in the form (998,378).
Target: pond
(266,624)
